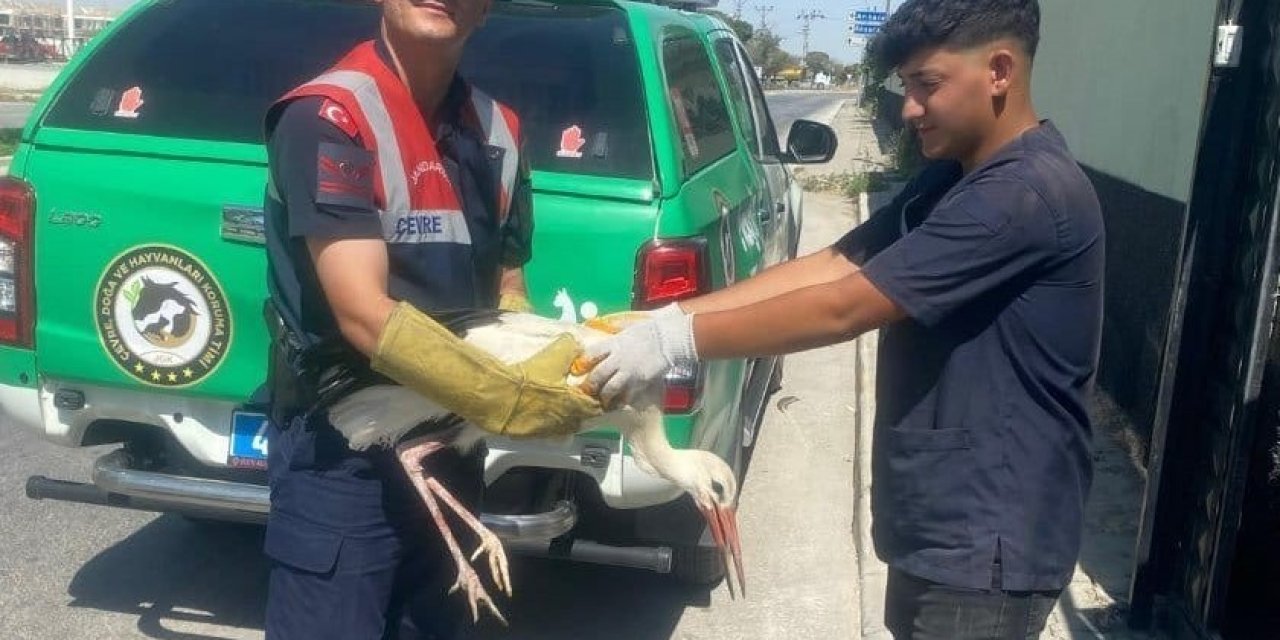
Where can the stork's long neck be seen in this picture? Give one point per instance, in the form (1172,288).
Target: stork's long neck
(649,444)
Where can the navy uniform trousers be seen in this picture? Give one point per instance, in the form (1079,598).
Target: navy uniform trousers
(354,551)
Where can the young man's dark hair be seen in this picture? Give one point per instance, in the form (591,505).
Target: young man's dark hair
(954,24)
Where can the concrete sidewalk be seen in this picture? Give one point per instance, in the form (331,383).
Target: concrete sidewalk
(1093,604)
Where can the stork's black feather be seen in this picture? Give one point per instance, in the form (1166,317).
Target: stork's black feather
(460,321)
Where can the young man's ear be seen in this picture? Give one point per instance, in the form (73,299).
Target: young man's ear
(1002,64)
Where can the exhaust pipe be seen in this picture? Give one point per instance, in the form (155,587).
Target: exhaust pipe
(655,559)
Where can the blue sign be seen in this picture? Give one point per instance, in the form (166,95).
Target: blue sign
(866,29)
(870,17)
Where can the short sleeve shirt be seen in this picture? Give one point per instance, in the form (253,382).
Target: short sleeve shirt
(982,456)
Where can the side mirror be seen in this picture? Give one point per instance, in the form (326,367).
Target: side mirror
(810,143)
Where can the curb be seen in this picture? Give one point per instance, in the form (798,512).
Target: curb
(872,573)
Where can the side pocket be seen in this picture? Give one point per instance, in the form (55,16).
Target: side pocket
(929,487)
(300,544)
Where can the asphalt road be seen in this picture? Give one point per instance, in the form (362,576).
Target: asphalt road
(71,571)
(13,115)
(788,106)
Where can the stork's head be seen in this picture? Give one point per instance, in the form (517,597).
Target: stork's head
(712,483)
(714,488)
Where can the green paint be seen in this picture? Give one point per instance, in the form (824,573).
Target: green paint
(18,367)
(165,191)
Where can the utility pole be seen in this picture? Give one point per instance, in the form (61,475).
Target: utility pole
(807,17)
(71,29)
(764,10)
(737,9)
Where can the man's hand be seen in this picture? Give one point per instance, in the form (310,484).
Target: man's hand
(641,355)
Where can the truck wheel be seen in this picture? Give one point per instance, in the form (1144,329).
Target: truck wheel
(694,565)
(775,380)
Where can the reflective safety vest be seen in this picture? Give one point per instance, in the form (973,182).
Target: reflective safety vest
(437,242)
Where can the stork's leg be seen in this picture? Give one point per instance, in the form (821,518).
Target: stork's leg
(411,456)
(489,543)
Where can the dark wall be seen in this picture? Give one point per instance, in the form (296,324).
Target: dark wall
(1144,231)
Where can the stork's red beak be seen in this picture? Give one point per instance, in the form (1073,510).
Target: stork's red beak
(724,530)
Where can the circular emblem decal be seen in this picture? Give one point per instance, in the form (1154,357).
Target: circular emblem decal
(162,317)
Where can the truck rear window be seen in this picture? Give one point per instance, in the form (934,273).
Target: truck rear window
(208,70)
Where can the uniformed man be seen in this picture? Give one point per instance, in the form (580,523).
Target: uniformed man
(985,275)
(395,189)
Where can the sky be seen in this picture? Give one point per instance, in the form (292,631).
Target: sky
(827,35)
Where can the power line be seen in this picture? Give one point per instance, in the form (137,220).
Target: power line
(737,9)
(764,10)
(807,17)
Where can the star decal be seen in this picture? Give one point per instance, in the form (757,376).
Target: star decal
(155,375)
(139,368)
(173,377)
(187,373)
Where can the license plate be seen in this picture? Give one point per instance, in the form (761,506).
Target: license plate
(248,440)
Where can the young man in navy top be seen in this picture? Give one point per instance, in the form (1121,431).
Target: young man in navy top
(985,279)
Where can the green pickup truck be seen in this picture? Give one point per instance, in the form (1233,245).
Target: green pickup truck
(132,275)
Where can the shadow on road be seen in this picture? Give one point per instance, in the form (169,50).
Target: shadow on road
(176,575)
(173,570)
(557,600)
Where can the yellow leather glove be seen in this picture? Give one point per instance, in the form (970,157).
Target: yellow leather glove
(515,302)
(529,399)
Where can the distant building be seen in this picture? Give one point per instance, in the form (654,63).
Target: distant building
(36,30)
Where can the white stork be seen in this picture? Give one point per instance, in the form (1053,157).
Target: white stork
(383,414)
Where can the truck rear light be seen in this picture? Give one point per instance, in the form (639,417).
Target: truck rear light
(669,271)
(17,295)
(684,388)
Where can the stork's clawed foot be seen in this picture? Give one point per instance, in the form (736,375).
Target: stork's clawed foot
(433,494)
(469,583)
(491,545)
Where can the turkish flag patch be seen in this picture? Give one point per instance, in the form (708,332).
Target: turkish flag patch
(337,114)
(344,176)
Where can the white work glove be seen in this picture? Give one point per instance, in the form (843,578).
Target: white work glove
(642,354)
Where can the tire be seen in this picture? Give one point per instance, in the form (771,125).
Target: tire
(775,380)
(697,566)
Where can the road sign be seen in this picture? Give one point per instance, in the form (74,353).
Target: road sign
(866,29)
(870,16)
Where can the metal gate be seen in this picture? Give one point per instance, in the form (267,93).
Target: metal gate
(1198,475)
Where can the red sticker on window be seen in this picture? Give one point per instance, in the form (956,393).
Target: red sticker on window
(130,102)
(571,143)
(335,113)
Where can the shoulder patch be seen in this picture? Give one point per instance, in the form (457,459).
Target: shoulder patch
(344,176)
(338,116)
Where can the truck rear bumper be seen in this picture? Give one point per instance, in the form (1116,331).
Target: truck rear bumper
(20,406)
(116,484)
